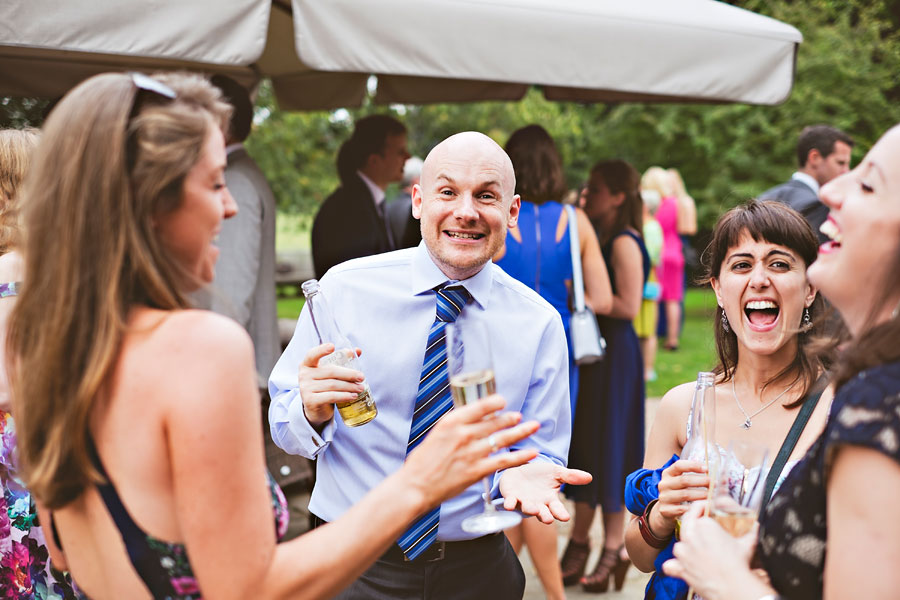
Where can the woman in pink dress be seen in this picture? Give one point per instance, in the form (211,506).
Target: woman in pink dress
(671,265)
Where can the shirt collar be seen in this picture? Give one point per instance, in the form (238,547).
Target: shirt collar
(808,180)
(231,148)
(377,192)
(426,276)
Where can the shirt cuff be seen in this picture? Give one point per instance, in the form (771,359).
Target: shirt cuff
(311,443)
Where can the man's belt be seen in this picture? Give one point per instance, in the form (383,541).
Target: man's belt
(438,551)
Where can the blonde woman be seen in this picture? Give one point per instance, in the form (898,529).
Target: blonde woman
(140,429)
(671,266)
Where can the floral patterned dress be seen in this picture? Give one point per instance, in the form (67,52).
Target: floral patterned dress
(165,567)
(24,560)
(793,532)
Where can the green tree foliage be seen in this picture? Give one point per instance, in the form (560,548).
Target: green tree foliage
(848,75)
(16,113)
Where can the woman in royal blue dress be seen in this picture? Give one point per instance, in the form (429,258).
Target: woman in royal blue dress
(538,253)
(608,429)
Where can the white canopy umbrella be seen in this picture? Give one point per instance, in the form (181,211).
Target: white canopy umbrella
(320,53)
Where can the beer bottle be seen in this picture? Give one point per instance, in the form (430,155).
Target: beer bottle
(355,412)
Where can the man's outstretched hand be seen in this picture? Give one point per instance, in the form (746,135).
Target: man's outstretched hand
(533,489)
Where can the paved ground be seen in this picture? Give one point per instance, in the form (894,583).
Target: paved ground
(635,581)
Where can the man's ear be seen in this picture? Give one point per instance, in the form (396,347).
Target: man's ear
(813,158)
(514,207)
(416,201)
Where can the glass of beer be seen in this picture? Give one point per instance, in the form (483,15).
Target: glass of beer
(471,373)
(739,486)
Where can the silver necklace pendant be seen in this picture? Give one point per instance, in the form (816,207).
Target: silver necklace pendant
(747,424)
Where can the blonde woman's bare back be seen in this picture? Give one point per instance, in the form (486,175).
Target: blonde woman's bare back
(152,439)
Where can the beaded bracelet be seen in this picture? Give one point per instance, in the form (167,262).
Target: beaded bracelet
(644,526)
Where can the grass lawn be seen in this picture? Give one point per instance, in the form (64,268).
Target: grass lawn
(292,232)
(289,308)
(697,351)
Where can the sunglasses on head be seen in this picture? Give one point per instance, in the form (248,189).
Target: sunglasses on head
(147,87)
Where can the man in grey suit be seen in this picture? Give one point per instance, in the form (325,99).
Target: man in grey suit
(244,287)
(823,153)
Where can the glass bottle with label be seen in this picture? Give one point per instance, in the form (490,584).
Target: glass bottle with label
(355,412)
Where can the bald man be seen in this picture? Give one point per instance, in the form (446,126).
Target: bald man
(387,306)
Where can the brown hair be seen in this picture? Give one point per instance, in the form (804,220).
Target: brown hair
(775,223)
(83,200)
(16,149)
(537,165)
(620,177)
(821,138)
(369,137)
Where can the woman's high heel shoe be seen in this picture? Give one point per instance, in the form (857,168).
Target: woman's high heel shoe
(574,561)
(610,566)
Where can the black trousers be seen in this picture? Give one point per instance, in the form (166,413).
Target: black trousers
(471,570)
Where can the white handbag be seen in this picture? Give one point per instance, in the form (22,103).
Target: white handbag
(588,345)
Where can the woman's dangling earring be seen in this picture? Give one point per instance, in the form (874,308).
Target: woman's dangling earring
(807,321)
(725,325)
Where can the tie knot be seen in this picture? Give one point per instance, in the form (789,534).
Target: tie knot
(450,302)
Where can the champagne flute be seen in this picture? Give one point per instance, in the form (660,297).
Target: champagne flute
(471,373)
(739,486)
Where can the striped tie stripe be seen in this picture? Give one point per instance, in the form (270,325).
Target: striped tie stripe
(433,401)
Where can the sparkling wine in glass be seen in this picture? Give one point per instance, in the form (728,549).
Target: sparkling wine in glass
(471,373)
(739,486)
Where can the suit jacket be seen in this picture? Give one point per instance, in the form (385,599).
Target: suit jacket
(244,287)
(347,226)
(803,199)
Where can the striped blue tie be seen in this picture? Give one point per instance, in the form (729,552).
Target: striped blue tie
(433,401)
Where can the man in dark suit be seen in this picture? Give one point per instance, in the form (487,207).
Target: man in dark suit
(823,153)
(404,227)
(351,222)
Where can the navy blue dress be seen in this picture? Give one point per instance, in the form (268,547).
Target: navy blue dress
(608,429)
(544,265)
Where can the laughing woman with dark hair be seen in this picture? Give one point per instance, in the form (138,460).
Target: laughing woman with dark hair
(768,362)
(830,531)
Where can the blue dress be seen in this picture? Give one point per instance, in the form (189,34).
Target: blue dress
(544,265)
(608,429)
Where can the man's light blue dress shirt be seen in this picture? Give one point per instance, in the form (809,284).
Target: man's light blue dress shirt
(385,305)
